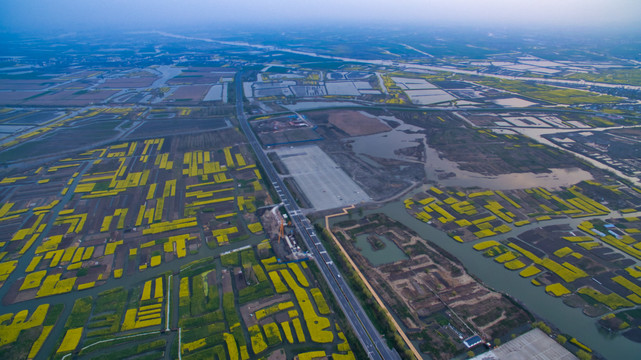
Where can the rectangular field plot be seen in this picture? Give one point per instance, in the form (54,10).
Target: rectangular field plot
(188,93)
(412,84)
(324,183)
(129,82)
(10,129)
(513,102)
(526,121)
(32,117)
(215,93)
(342,88)
(430,96)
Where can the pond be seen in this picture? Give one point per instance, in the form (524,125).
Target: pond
(384,145)
(388,253)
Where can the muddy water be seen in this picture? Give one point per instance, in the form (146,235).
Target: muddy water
(568,320)
(386,255)
(383,145)
(556,178)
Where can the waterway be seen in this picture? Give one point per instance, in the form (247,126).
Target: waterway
(569,320)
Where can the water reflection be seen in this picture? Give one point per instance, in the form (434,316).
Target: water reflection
(384,145)
(556,178)
(389,254)
(445,172)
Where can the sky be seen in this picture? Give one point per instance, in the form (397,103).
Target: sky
(21,15)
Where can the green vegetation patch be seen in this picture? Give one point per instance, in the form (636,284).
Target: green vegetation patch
(550,93)
(613,301)
(79,313)
(611,76)
(230,259)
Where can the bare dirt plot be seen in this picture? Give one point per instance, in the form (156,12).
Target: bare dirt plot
(32,118)
(215,93)
(342,88)
(188,93)
(284,130)
(128,82)
(72,98)
(289,136)
(201,75)
(430,96)
(169,127)
(324,183)
(357,123)
(16,97)
(513,102)
(431,293)
(25,84)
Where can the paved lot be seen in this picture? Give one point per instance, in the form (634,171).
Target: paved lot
(534,344)
(324,183)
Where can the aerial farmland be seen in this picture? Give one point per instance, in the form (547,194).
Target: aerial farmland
(225,195)
(144,234)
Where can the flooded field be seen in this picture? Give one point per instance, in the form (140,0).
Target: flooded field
(386,145)
(441,170)
(436,166)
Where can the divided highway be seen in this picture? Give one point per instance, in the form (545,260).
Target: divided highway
(369,337)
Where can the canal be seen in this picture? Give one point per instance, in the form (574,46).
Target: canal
(569,320)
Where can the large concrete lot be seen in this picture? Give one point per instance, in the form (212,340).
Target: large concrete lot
(532,345)
(324,183)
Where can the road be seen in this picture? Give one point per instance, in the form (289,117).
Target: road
(369,337)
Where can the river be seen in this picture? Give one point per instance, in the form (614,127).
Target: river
(569,320)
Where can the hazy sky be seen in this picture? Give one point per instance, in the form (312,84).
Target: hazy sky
(158,14)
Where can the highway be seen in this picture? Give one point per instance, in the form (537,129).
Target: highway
(369,337)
